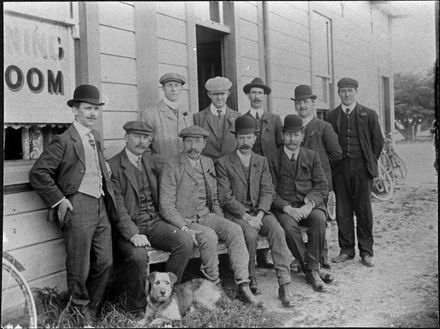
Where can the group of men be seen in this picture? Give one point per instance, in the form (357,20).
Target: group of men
(184,181)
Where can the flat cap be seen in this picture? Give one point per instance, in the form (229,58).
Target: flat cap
(172,77)
(193,131)
(218,84)
(137,126)
(348,82)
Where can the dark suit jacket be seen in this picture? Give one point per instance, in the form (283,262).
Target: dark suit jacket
(179,188)
(216,146)
(271,132)
(370,134)
(232,184)
(310,179)
(128,222)
(320,137)
(59,170)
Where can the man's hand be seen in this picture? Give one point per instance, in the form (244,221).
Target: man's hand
(193,234)
(306,210)
(254,221)
(295,213)
(140,240)
(62,209)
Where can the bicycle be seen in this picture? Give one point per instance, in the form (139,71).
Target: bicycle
(383,184)
(17,302)
(396,163)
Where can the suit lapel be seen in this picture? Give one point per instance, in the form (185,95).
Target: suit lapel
(237,166)
(164,110)
(77,144)
(210,120)
(285,162)
(129,172)
(187,166)
(255,169)
(338,118)
(265,123)
(148,165)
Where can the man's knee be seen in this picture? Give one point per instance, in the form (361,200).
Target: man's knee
(207,238)
(138,258)
(184,244)
(317,219)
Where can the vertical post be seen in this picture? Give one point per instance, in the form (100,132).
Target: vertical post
(231,53)
(267,52)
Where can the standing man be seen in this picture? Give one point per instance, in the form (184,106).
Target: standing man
(320,137)
(71,177)
(270,127)
(218,119)
(167,119)
(246,194)
(361,141)
(138,223)
(189,201)
(301,188)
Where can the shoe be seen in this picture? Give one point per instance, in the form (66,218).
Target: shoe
(254,286)
(89,315)
(264,259)
(367,260)
(312,277)
(326,276)
(295,266)
(341,258)
(285,295)
(325,263)
(246,296)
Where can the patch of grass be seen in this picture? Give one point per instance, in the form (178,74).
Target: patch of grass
(55,311)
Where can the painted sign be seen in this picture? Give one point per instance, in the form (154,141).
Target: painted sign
(38,70)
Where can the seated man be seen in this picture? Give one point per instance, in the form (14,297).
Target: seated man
(189,201)
(138,223)
(301,188)
(246,194)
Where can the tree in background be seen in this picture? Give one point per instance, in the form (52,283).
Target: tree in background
(414,102)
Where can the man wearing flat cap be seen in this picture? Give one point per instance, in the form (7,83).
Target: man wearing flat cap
(72,178)
(320,137)
(218,119)
(246,194)
(189,201)
(167,118)
(361,141)
(301,187)
(138,223)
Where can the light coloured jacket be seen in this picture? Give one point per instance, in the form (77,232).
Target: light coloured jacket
(178,190)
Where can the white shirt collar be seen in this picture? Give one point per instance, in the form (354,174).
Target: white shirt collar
(133,158)
(82,130)
(289,153)
(351,107)
(245,159)
(214,110)
(253,112)
(192,162)
(173,105)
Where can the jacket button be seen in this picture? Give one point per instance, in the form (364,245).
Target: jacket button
(81,171)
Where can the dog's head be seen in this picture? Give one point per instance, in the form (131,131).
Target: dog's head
(161,284)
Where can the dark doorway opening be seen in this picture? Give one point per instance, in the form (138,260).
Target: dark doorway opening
(209,59)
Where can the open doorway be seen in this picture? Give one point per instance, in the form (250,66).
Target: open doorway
(209,60)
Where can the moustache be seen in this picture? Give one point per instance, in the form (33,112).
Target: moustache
(245,147)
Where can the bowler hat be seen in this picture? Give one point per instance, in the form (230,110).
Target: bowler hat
(257,82)
(193,131)
(303,92)
(87,94)
(137,126)
(348,82)
(246,124)
(218,84)
(293,123)
(172,77)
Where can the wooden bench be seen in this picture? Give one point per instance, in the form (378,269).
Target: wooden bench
(156,256)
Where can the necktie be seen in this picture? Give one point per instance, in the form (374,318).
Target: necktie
(293,161)
(219,113)
(91,139)
(257,116)
(347,110)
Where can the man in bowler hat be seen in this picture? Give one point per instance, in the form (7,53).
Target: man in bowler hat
(319,136)
(167,118)
(72,178)
(361,142)
(189,201)
(138,223)
(301,188)
(246,193)
(218,119)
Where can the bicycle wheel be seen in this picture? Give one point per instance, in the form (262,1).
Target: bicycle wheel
(18,306)
(385,159)
(383,185)
(400,166)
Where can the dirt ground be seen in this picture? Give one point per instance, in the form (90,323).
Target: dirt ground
(401,290)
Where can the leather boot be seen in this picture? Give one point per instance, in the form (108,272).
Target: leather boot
(285,295)
(254,286)
(312,277)
(246,296)
(264,259)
